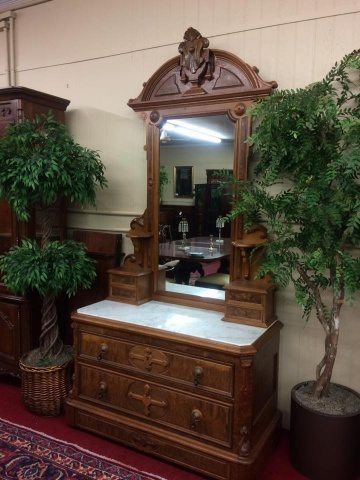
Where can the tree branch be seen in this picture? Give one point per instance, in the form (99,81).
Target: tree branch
(319,305)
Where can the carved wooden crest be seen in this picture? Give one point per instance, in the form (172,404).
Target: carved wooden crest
(199,73)
(196,60)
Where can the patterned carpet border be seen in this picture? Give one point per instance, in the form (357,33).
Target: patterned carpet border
(26,454)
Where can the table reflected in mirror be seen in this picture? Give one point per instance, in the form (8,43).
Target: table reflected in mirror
(203,263)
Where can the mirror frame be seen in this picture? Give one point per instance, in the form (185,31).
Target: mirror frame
(220,83)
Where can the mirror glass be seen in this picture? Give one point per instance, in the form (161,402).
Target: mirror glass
(194,241)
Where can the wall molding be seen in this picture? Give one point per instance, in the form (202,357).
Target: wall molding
(17,4)
(113,213)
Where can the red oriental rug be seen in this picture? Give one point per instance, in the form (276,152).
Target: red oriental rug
(29,455)
(13,411)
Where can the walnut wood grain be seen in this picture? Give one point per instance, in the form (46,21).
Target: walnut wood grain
(201,399)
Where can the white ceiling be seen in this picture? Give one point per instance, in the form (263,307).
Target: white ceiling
(6,5)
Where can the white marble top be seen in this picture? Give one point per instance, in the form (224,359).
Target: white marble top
(196,322)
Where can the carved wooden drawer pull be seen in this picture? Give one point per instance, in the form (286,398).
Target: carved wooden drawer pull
(196,417)
(147,400)
(102,390)
(104,348)
(198,373)
(148,358)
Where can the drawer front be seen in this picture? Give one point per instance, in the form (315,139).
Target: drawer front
(122,280)
(245,297)
(146,442)
(170,408)
(126,292)
(9,328)
(204,374)
(239,311)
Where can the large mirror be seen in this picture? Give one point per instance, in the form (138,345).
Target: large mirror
(195,108)
(194,239)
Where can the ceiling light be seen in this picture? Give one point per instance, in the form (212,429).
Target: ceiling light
(189,130)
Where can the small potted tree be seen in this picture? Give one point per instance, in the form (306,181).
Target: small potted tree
(306,189)
(163,180)
(41,165)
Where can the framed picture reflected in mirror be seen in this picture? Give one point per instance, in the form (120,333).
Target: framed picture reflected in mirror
(183,181)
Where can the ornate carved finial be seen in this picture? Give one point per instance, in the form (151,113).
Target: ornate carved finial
(244,440)
(154,116)
(196,60)
(239,109)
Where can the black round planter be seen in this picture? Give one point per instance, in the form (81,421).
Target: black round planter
(324,447)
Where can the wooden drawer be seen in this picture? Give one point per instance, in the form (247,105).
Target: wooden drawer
(170,408)
(183,455)
(129,287)
(204,374)
(250,303)
(121,280)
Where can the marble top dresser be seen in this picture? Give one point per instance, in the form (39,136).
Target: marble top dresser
(179,383)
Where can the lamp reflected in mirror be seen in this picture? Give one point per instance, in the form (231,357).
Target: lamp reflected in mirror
(183,229)
(220,223)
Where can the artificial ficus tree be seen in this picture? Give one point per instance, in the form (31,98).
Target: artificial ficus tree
(40,165)
(306,189)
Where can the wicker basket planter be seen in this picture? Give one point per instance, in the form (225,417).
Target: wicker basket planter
(44,389)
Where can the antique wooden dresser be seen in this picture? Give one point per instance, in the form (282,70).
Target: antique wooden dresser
(186,373)
(177,382)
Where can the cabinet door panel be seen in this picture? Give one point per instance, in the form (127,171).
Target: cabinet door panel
(9,328)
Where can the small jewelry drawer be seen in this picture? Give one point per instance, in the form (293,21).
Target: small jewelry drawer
(130,287)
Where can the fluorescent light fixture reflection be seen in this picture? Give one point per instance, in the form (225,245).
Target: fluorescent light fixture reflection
(189,130)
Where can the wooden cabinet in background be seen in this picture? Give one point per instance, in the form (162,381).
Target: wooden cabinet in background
(106,249)
(212,201)
(19,316)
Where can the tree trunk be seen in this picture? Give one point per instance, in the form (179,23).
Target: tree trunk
(325,368)
(50,342)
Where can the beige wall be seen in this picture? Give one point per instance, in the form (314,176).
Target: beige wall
(97,53)
(201,157)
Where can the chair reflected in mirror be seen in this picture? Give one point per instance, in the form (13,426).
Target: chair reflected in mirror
(165,234)
(203,263)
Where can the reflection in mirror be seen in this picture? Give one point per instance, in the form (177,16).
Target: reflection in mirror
(183,181)
(196,263)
